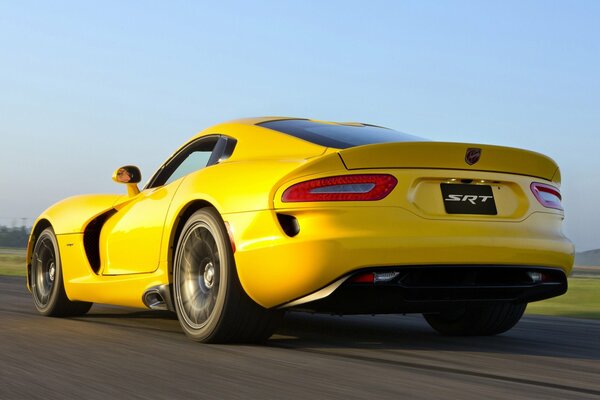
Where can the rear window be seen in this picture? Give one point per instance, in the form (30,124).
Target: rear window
(338,136)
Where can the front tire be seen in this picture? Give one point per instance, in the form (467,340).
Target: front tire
(47,285)
(211,305)
(477,320)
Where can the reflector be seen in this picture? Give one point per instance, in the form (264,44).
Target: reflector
(547,195)
(367,277)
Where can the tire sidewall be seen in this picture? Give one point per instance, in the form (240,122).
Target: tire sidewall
(210,220)
(48,308)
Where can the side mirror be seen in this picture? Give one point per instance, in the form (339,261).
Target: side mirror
(129,175)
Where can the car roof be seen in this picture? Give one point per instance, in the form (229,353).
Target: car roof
(258,138)
(260,120)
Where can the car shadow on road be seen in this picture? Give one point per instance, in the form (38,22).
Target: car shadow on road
(128,313)
(540,336)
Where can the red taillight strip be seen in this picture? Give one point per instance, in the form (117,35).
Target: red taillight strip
(364,187)
(547,195)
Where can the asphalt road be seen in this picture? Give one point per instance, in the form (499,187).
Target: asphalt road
(130,354)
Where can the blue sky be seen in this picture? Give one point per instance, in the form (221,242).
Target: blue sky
(88,86)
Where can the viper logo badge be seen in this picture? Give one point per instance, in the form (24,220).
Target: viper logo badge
(473,155)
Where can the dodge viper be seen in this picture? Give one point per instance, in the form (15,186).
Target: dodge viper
(254,217)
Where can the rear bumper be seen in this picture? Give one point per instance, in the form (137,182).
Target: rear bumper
(332,243)
(424,289)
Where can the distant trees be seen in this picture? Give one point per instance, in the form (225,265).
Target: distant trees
(13,237)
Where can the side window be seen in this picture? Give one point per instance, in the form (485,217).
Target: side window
(194,161)
(197,155)
(191,158)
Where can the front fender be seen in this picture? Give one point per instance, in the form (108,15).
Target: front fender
(74,213)
(70,215)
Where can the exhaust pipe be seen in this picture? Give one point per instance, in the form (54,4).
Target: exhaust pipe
(158,298)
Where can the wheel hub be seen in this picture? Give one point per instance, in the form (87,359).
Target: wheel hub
(209,275)
(51,272)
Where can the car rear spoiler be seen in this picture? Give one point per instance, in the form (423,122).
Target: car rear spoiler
(459,156)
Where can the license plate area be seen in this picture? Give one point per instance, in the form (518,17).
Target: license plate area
(468,199)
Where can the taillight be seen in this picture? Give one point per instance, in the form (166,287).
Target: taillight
(547,195)
(365,187)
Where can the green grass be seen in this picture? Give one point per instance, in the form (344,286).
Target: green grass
(12,262)
(581,301)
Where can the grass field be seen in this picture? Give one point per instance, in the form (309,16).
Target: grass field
(12,262)
(581,301)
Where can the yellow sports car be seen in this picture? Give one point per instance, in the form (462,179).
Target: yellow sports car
(254,217)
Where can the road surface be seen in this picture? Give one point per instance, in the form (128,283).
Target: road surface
(131,354)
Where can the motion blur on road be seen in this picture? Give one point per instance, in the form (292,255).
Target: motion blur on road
(126,353)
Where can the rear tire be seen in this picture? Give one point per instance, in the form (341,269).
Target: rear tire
(47,285)
(477,320)
(211,305)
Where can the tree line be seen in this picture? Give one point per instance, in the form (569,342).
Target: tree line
(13,237)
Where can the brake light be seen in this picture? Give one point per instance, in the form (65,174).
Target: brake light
(547,195)
(365,187)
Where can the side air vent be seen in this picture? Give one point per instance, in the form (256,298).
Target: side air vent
(289,224)
(91,239)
